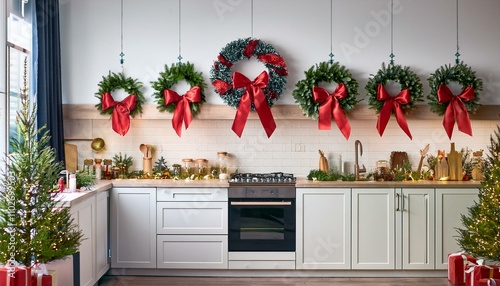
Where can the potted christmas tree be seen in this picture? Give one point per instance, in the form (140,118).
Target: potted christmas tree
(33,227)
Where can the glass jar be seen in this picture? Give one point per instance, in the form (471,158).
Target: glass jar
(98,169)
(108,175)
(201,167)
(88,166)
(222,165)
(176,170)
(382,171)
(187,167)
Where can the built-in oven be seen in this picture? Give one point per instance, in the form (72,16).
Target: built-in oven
(262,215)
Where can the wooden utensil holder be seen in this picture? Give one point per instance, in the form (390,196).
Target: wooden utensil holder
(147,165)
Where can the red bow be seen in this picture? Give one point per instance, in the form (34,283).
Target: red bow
(272,59)
(392,104)
(330,107)
(182,111)
(255,95)
(120,118)
(456,110)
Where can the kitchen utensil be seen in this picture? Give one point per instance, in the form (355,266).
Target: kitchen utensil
(423,152)
(323,162)
(144,150)
(397,159)
(71,157)
(97,144)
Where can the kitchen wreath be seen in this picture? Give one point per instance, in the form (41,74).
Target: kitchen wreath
(455,108)
(318,103)
(186,106)
(384,104)
(122,110)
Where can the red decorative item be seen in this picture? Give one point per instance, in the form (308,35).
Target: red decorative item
(120,118)
(457,264)
(456,110)
(41,280)
(392,104)
(255,95)
(182,111)
(330,108)
(488,282)
(477,272)
(21,276)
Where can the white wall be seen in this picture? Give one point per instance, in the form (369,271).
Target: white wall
(424,39)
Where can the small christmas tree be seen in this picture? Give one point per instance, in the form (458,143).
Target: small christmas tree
(481,236)
(33,228)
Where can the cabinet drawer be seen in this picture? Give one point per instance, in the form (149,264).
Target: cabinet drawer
(262,265)
(192,251)
(192,195)
(192,217)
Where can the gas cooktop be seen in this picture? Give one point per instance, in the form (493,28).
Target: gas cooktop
(262,178)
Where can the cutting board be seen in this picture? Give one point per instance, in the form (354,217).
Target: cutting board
(455,164)
(71,157)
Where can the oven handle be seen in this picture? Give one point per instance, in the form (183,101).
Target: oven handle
(261,203)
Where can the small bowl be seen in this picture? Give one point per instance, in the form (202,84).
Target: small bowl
(97,144)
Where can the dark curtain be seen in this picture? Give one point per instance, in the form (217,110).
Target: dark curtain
(49,90)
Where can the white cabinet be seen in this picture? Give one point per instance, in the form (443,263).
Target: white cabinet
(192,228)
(450,205)
(323,228)
(102,237)
(133,227)
(91,217)
(415,228)
(373,228)
(393,228)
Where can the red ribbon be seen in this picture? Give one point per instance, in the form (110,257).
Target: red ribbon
(120,118)
(255,95)
(392,104)
(182,111)
(272,59)
(221,86)
(330,107)
(456,110)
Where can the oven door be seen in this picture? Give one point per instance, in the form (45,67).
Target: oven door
(261,225)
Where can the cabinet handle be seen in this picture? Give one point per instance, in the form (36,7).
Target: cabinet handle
(397,197)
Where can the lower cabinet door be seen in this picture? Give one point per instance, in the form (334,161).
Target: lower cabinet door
(192,251)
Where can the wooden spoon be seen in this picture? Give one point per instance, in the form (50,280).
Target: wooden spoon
(144,150)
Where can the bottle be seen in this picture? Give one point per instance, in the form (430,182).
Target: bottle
(98,169)
(60,183)
(72,183)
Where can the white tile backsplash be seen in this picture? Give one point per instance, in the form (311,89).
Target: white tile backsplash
(292,148)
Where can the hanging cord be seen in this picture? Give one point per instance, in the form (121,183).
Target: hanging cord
(179,57)
(251,19)
(457,54)
(121,35)
(392,33)
(331,32)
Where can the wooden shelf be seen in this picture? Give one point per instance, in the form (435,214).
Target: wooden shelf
(288,112)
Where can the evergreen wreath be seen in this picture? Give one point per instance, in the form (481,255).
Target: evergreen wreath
(169,77)
(116,81)
(402,75)
(325,72)
(221,74)
(460,73)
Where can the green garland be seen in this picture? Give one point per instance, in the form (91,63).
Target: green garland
(460,73)
(325,72)
(234,52)
(116,81)
(169,77)
(402,75)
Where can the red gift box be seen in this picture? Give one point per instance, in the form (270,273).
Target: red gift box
(457,264)
(488,282)
(41,280)
(18,276)
(478,272)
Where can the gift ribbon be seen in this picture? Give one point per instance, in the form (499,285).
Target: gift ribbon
(330,107)
(120,118)
(182,111)
(272,59)
(254,94)
(392,104)
(456,110)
